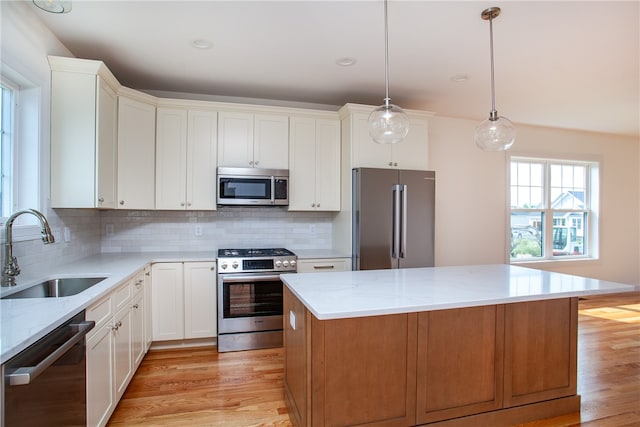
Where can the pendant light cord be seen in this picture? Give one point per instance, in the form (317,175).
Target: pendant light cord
(493,115)
(386,56)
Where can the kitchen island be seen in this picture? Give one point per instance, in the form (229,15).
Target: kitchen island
(483,345)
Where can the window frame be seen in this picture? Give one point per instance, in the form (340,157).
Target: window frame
(26,154)
(589,217)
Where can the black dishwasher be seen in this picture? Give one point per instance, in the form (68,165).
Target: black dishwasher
(45,384)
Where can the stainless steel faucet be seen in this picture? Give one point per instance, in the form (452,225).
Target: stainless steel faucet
(11,268)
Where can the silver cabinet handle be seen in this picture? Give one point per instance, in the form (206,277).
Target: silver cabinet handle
(136,306)
(24,375)
(390,163)
(122,202)
(182,204)
(101,199)
(323,267)
(251,162)
(256,162)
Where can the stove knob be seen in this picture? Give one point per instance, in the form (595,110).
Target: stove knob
(278,264)
(285,263)
(234,265)
(293,263)
(223,266)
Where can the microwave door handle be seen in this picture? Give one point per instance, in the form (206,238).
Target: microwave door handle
(273,190)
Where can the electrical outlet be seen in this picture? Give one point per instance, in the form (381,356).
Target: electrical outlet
(198,230)
(312,229)
(108,229)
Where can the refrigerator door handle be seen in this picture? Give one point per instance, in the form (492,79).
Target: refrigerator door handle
(395,234)
(403,222)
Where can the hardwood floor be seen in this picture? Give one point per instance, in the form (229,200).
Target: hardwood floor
(201,387)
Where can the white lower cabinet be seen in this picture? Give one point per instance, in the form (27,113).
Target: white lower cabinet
(115,347)
(183,300)
(319,265)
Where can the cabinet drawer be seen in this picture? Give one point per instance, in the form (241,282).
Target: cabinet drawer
(100,312)
(122,295)
(323,265)
(138,284)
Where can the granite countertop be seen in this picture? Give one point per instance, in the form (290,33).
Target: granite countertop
(378,292)
(24,321)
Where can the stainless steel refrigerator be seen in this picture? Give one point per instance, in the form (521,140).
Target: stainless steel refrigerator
(393,218)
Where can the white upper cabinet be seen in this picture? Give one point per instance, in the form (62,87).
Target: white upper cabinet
(83,134)
(314,169)
(253,140)
(186,158)
(410,153)
(136,152)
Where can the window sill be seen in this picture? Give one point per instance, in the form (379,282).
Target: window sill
(555,262)
(22,233)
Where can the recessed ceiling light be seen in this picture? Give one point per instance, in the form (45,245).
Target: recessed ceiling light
(346,61)
(459,78)
(202,44)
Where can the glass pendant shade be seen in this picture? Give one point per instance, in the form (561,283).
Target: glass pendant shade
(388,124)
(54,6)
(495,134)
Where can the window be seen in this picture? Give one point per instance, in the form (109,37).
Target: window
(553,209)
(20,133)
(8,91)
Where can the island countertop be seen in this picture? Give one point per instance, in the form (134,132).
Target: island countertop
(350,294)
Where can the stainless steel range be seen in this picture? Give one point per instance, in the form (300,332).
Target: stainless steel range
(250,297)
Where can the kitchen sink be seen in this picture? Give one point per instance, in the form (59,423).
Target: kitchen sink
(56,288)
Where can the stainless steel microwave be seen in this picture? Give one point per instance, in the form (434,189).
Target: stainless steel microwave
(253,187)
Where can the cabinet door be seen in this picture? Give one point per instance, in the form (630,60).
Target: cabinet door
(460,361)
(100,386)
(136,154)
(541,350)
(171,158)
(73,145)
(235,139)
(412,152)
(366,153)
(106,133)
(271,142)
(202,149)
(327,171)
(122,356)
(302,167)
(199,300)
(148,333)
(168,301)
(138,309)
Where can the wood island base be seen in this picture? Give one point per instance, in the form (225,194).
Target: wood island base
(493,365)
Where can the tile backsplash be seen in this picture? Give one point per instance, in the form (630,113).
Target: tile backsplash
(228,227)
(92,231)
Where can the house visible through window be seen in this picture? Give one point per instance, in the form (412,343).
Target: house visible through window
(553,209)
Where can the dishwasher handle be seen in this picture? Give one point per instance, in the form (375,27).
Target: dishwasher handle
(24,375)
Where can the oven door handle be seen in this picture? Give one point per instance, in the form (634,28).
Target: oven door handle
(25,375)
(249,278)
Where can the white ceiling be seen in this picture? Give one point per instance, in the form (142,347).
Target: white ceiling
(571,64)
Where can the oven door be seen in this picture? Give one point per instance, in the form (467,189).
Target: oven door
(249,302)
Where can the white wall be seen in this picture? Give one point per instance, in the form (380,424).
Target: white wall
(471,214)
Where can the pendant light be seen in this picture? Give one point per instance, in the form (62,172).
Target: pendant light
(496,133)
(54,6)
(388,124)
